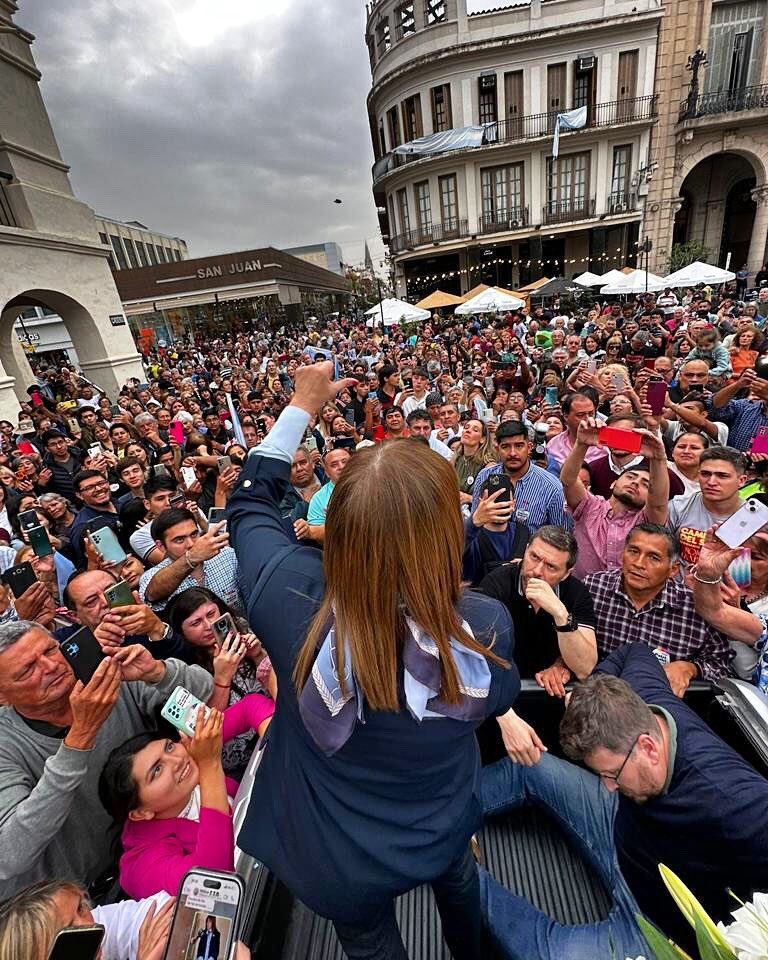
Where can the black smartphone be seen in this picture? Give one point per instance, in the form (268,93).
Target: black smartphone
(223,627)
(77,943)
(216,514)
(177,500)
(83,653)
(159,470)
(19,578)
(498,481)
(28,519)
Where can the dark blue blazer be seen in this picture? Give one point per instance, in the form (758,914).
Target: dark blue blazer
(398,803)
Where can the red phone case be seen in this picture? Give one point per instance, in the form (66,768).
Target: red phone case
(655,396)
(176,432)
(25,447)
(624,440)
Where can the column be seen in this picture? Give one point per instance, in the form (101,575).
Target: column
(759,230)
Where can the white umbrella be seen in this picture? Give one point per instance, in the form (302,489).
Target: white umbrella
(490,301)
(588,279)
(698,272)
(636,282)
(611,277)
(394,312)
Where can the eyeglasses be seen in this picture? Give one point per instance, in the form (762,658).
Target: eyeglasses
(95,486)
(615,776)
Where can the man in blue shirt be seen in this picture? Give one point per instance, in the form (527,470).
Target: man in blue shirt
(743,417)
(313,528)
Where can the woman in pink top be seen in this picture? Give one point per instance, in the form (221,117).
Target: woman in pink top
(174,801)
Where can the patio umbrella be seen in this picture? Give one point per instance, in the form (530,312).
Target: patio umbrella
(393,312)
(530,287)
(555,288)
(588,279)
(698,272)
(490,301)
(474,291)
(439,299)
(611,277)
(636,282)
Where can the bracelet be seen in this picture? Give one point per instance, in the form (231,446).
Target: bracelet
(189,562)
(224,686)
(699,579)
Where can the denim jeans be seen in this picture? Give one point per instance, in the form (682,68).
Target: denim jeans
(457,894)
(582,806)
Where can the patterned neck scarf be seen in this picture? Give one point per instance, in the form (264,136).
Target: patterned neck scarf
(330,715)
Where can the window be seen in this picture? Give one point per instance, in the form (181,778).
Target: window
(152,255)
(501,191)
(169,254)
(110,259)
(402,209)
(622,163)
(392,222)
(122,263)
(449,205)
(735,41)
(383,38)
(584,86)
(104,238)
(441,108)
(142,253)
(393,122)
(434,11)
(487,98)
(176,255)
(412,118)
(382,138)
(405,22)
(131,252)
(160,254)
(568,185)
(423,207)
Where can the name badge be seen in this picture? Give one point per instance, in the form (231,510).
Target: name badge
(662,656)
(522,515)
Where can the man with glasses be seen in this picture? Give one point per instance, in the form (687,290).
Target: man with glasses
(685,798)
(93,490)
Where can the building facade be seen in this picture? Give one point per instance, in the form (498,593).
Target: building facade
(711,141)
(325,255)
(505,211)
(50,252)
(133,245)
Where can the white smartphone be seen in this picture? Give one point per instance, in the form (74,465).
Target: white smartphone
(181,709)
(188,475)
(207,916)
(751,517)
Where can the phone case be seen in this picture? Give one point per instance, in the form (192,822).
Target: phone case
(39,541)
(19,578)
(655,396)
(188,475)
(181,709)
(223,627)
(176,432)
(759,444)
(28,519)
(83,653)
(741,569)
(107,545)
(216,514)
(120,595)
(745,523)
(624,440)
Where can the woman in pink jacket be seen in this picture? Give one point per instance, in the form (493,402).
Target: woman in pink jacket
(174,801)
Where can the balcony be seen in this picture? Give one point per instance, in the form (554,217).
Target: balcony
(620,203)
(434,233)
(563,211)
(7,218)
(503,220)
(726,101)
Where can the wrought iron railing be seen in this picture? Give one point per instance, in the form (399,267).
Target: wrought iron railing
(431,233)
(725,101)
(620,202)
(512,219)
(562,211)
(7,218)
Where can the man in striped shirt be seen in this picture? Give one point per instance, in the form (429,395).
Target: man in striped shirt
(743,417)
(539,498)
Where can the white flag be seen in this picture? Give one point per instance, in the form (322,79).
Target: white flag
(572,120)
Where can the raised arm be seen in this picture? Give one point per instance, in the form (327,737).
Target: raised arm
(574,489)
(723,397)
(712,565)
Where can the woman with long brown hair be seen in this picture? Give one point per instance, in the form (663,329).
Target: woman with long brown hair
(368,787)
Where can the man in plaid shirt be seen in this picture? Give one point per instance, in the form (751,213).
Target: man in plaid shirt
(643,603)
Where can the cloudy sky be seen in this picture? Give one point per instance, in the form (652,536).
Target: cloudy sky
(231,123)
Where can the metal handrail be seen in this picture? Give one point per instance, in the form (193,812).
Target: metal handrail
(562,211)
(431,233)
(511,219)
(725,101)
(7,218)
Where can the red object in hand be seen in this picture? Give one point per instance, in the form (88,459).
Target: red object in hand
(626,441)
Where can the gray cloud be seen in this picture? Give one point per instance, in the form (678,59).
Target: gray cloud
(232,133)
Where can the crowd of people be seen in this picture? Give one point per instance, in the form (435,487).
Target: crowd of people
(584,457)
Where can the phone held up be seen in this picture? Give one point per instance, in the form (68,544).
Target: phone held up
(751,517)
(209,908)
(83,653)
(77,943)
(181,709)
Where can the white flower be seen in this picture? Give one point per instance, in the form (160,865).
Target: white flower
(748,934)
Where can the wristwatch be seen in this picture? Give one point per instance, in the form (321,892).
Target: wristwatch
(569,626)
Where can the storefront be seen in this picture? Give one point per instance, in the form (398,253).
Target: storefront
(209,296)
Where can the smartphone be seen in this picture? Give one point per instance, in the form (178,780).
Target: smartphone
(591,366)
(741,569)
(19,578)
(115,410)
(176,432)
(656,395)
(650,363)
(98,523)
(177,500)
(311,443)
(37,400)
(107,545)
(40,541)
(627,441)
(216,514)
(223,627)
(119,595)
(83,653)
(28,519)
(25,447)
(745,523)
(188,475)
(95,450)
(498,481)
(372,395)
(550,396)
(619,382)
(208,900)
(759,444)
(223,463)
(77,943)
(349,416)
(180,710)
(74,425)
(159,470)
(261,424)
